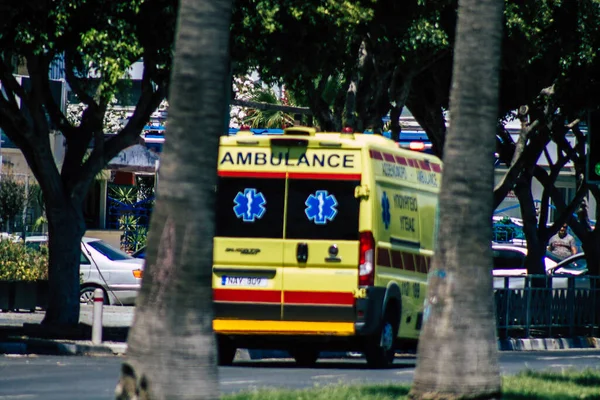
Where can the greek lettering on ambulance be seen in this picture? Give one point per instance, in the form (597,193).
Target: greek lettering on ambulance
(276,159)
(394,171)
(427,178)
(406,203)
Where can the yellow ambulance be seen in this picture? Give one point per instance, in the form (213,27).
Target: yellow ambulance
(323,243)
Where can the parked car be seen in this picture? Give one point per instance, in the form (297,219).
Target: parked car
(509,267)
(117,273)
(140,253)
(103,266)
(35,242)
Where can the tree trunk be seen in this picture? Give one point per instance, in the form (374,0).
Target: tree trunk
(536,249)
(66,227)
(457,353)
(171,346)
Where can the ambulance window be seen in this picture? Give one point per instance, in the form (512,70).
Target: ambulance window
(322,209)
(250,207)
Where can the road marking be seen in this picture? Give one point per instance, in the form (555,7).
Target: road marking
(405,372)
(567,358)
(237,382)
(327,376)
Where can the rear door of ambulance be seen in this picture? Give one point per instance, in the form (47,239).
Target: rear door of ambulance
(321,246)
(248,244)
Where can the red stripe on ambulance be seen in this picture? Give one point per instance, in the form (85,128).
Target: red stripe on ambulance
(250,174)
(305,297)
(334,177)
(244,295)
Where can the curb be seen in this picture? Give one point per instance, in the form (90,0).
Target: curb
(548,344)
(69,348)
(62,348)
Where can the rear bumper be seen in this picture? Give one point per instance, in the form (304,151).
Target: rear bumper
(126,297)
(257,327)
(361,320)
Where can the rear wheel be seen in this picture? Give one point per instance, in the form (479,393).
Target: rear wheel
(86,295)
(305,357)
(226,350)
(379,349)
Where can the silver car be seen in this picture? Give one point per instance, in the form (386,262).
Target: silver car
(117,273)
(509,268)
(103,266)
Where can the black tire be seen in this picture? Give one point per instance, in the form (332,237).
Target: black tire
(379,348)
(86,295)
(305,357)
(226,350)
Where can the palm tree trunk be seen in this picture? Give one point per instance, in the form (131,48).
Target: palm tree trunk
(171,347)
(457,353)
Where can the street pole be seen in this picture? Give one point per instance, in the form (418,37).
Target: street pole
(24,218)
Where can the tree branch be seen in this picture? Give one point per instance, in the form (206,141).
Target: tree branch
(10,85)
(75,84)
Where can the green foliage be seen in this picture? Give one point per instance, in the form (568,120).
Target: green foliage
(267,118)
(12,199)
(124,194)
(20,263)
(99,37)
(526,385)
(134,234)
(135,237)
(35,197)
(308,45)
(506,230)
(40,224)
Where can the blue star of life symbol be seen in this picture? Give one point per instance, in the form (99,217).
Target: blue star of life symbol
(385,210)
(320,207)
(249,205)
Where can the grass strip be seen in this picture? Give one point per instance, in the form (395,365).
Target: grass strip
(527,385)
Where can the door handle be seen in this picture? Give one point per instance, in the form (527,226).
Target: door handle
(302,252)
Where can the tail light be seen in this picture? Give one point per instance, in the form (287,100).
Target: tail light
(417,146)
(366,259)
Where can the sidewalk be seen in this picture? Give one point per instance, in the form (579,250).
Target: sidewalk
(20,333)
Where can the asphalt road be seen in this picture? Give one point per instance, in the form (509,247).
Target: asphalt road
(94,378)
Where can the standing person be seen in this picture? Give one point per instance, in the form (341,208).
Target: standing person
(562,244)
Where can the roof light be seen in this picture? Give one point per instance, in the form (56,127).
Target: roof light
(245,128)
(347,129)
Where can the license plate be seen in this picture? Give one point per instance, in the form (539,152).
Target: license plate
(247,281)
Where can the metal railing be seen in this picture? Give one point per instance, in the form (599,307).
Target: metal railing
(536,309)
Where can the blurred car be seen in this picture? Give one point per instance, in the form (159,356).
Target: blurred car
(103,266)
(140,253)
(509,267)
(574,265)
(36,242)
(117,273)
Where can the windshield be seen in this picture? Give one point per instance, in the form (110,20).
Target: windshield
(108,251)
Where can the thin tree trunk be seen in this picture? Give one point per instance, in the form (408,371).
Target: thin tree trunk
(171,347)
(457,353)
(66,227)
